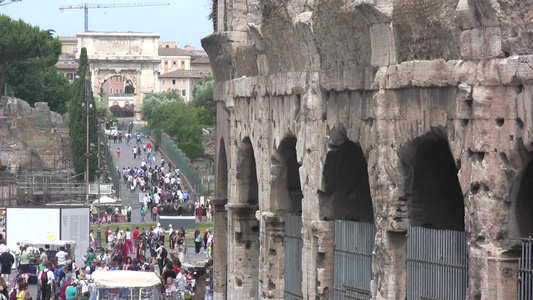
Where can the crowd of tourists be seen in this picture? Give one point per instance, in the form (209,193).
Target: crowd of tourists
(60,277)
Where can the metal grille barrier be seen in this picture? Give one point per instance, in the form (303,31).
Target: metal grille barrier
(437,264)
(115,176)
(354,243)
(525,270)
(293,257)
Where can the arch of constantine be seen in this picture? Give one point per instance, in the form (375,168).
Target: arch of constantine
(130,54)
(373,149)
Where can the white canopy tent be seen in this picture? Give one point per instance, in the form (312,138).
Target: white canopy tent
(105,200)
(125,279)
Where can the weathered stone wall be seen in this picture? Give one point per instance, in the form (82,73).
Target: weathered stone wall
(391,76)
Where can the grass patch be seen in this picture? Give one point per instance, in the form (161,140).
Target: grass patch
(189,234)
(38,143)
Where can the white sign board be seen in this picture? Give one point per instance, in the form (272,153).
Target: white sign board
(105,189)
(49,224)
(75,227)
(31,224)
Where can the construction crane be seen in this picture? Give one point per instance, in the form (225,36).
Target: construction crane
(86,7)
(6,2)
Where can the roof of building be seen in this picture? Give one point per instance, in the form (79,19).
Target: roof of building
(182,74)
(66,66)
(174,52)
(201,60)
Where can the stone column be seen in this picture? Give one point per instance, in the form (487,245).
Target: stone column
(318,259)
(493,266)
(272,277)
(220,258)
(243,248)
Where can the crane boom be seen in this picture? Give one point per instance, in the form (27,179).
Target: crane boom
(86,7)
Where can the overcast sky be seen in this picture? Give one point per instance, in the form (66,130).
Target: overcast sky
(183,21)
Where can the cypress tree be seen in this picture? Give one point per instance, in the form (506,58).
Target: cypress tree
(78,120)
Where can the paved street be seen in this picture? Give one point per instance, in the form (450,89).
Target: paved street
(126,160)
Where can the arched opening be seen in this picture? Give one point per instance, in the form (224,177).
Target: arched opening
(524,203)
(222,172)
(118,92)
(346,193)
(247,174)
(436,221)
(246,233)
(220,220)
(286,197)
(286,192)
(437,199)
(346,199)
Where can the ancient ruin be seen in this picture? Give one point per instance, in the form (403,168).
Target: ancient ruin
(372,149)
(130,54)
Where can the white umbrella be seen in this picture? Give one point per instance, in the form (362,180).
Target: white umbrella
(107,200)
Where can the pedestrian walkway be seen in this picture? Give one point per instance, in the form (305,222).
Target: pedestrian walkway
(132,198)
(126,160)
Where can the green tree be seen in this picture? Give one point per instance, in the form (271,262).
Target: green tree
(56,89)
(203,91)
(27,44)
(153,100)
(77,110)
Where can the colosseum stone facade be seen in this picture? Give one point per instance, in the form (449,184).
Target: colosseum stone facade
(372,149)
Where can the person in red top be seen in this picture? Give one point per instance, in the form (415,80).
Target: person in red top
(107,232)
(136,234)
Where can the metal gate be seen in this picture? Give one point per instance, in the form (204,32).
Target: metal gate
(437,264)
(525,270)
(293,257)
(354,243)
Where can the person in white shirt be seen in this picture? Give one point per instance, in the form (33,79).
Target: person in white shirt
(61,258)
(46,289)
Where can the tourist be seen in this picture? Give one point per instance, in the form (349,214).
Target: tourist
(4,288)
(127,264)
(143,213)
(6,261)
(197,241)
(168,271)
(154,213)
(88,258)
(46,280)
(162,254)
(129,240)
(24,262)
(92,240)
(129,210)
(71,291)
(21,290)
(103,256)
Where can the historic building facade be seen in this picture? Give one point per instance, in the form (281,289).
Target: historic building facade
(372,149)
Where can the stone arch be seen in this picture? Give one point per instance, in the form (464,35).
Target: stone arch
(244,272)
(435,199)
(247,174)
(523,210)
(222,171)
(286,191)
(104,76)
(345,193)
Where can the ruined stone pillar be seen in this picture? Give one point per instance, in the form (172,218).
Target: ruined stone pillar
(493,268)
(272,279)
(243,249)
(318,259)
(220,224)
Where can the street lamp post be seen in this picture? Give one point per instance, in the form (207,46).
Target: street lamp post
(99,230)
(87,102)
